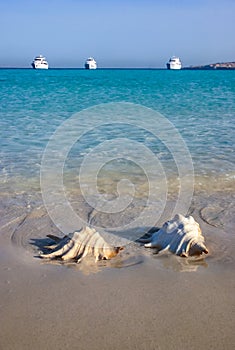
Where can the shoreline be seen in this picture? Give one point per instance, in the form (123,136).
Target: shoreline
(151,304)
(140,300)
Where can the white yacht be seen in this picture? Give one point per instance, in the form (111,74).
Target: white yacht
(174,63)
(40,62)
(90,63)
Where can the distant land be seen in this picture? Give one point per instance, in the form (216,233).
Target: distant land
(222,65)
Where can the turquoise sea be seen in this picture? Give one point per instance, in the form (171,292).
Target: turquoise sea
(199,106)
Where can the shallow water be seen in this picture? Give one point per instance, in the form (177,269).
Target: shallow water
(199,104)
(118,163)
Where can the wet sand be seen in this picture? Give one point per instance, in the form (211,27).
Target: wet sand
(138,301)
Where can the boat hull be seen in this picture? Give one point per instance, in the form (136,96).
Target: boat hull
(40,66)
(88,66)
(169,66)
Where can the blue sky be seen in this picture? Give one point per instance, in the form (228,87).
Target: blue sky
(118,33)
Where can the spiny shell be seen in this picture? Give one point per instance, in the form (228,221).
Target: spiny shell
(86,241)
(181,236)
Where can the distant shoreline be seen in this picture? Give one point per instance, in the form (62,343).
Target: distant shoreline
(212,66)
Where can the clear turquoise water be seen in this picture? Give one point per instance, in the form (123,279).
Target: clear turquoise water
(200,104)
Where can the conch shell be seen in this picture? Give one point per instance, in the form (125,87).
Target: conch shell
(79,245)
(181,236)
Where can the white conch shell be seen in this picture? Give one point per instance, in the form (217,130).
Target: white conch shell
(181,236)
(80,244)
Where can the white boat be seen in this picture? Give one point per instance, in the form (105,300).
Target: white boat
(174,63)
(90,63)
(40,62)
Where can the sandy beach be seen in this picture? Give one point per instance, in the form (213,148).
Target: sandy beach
(136,301)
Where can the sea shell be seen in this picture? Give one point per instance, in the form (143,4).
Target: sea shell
(181,236)
(79,245)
